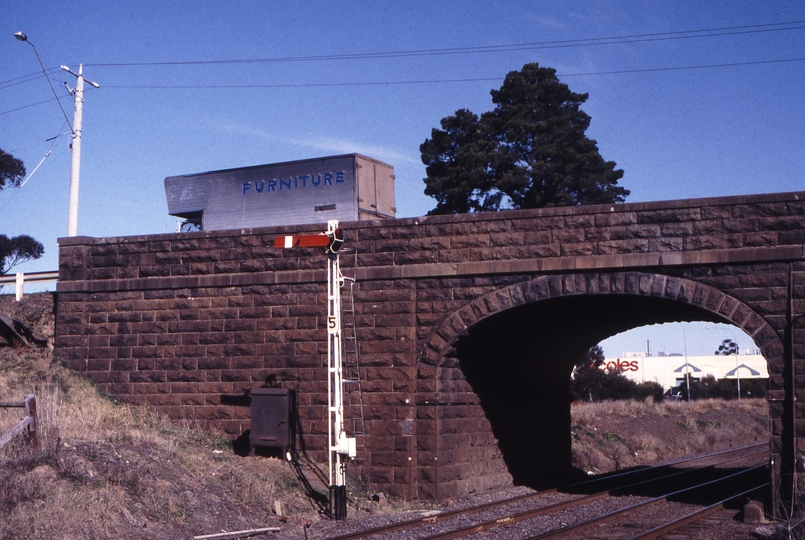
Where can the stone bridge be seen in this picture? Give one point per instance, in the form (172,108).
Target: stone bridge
(468,326)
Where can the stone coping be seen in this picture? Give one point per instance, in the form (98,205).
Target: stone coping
(460,218)
(632,262)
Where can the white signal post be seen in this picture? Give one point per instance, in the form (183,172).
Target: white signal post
(340,446)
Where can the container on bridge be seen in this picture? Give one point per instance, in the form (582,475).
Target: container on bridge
(349,187)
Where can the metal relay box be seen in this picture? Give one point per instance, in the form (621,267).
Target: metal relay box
(349,187)
(273,419)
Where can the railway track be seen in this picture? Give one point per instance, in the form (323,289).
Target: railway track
(644,503)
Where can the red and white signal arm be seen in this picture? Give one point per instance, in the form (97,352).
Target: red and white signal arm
(332,242)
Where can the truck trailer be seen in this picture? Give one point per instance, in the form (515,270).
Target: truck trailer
(349,187)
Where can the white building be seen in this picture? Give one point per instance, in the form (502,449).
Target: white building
(670,371)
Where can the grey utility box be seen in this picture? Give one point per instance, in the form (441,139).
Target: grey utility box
(351,187)
(273,419)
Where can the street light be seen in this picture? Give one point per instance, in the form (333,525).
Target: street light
(22,37)
(75,146)
(687,366)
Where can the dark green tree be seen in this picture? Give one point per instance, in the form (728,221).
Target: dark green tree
(594,357)
(708,387)
(591,383)
(589,379)
(12,171)
(727,348)
(530,151)
(648,389)
(17,250)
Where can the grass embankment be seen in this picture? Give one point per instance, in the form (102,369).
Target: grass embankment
(108,470)
(621,434)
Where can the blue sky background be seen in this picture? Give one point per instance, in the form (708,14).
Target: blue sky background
(691,99)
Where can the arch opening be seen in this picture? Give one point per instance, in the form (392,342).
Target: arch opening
(720,359)
(519,360)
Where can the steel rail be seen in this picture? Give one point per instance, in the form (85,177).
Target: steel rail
(678,523)
(434,518)
(442,516)
(611,515)
(514,518)
(715,453)
(691,471)
(528,514)
(672,463)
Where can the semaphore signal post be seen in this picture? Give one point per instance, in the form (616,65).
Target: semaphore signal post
(340,446)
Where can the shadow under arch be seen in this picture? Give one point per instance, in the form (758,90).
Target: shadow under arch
(516,348)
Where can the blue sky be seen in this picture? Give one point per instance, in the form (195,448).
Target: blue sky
(690,98)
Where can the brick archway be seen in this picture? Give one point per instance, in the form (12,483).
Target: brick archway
(678,289)
(472,398)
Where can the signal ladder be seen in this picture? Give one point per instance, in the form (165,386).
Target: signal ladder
(354,413)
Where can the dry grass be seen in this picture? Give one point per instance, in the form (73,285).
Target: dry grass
(109,470)
(106,470)
(620,434)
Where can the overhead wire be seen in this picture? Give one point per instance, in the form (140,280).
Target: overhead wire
(685,34)
(635,38)
(413,82)
(47,154)
(33,104)
(62,134)
(441,81)
(612,40)
(26,78)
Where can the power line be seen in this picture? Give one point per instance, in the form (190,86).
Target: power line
(49,151)
(681,68)
(21,80)
(62,134)
(441,81)
(686,34)
(415,82)
(635,38)
(33,104)
(299,85)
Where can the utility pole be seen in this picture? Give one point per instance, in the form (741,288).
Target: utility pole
(75,163)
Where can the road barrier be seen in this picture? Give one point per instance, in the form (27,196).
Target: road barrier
(31,277)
